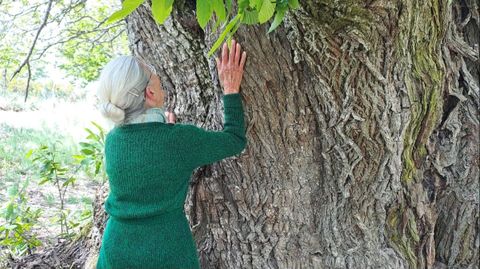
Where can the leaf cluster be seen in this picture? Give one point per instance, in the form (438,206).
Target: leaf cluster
(18,221)
(249,12)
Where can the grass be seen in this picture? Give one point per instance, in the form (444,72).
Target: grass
(15,143)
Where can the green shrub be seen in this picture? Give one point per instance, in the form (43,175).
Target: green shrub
(92,152)
(17,222)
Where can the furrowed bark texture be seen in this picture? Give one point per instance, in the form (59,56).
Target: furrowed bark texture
(362,134)
(363,137)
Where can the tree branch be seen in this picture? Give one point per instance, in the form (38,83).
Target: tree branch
(27,59)
(75,36)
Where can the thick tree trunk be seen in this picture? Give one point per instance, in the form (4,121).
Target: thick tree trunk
(363,135)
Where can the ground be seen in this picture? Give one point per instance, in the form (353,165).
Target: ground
(24,126)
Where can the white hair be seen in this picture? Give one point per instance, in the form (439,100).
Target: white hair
(121,89)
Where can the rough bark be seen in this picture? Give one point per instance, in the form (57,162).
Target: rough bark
(363,135)
(362,126)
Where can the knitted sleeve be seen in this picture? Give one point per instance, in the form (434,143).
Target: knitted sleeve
(208,146)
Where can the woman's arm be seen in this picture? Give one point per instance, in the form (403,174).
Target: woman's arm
(208,146)
(204,147)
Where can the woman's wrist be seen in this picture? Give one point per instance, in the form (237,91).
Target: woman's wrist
(231,91)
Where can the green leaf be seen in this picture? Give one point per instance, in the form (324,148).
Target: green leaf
(73,224)
(59,167)
(293,4)
(87,151)
(266,11)
(128,6)
(78,157)
(204,12)
(44,180)
(256,4)
(98,127)
(223,34)
(250,17)
(277,20)
(69,181)
(219,8)
(86,145)
(234,29)
(97,167)
(9,212)
(88,130)
(228,6)
(161,9)
(232,32)
(29,153)
(242,4)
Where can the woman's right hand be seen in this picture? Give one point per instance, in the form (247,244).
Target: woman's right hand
(230,67)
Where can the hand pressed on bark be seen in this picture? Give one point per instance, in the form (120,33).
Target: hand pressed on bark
(230,71)
(171,117)
(230,67)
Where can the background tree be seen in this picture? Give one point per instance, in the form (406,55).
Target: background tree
(68,35)
(363,134)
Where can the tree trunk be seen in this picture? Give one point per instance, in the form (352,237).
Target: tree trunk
(362,135)
(362,126)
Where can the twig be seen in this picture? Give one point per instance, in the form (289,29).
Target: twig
(27,59)
(74,36)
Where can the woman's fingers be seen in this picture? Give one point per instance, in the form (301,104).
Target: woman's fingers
(230,67)
(231,57)
(237,54)
(170,117)
(224,53)
(242,61)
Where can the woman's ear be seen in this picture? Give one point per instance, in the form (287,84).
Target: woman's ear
(149,93)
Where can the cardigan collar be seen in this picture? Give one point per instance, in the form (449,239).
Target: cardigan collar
(153,114)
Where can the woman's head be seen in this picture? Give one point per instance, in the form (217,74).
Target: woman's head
(127,87)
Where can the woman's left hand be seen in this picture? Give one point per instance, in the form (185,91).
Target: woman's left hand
(170,117)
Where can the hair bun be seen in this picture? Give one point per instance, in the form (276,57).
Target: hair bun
(112,112)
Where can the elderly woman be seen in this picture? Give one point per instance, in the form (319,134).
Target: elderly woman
(149,162)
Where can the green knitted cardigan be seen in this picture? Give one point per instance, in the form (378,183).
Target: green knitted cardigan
(149,166)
